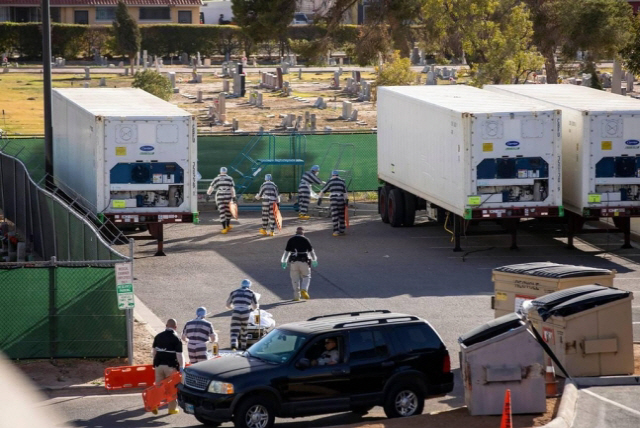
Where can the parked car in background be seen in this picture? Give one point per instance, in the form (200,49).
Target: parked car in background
(301,18)
(327,364)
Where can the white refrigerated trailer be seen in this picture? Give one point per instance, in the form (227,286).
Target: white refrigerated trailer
(600,152)
(130,156)
(466,152)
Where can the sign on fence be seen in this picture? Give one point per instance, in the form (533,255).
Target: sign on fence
(124,286)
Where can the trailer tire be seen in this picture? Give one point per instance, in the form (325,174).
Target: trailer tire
(409,209)
(395,207)
(383,196)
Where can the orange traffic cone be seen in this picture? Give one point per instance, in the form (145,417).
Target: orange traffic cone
(551,385)
(507,419)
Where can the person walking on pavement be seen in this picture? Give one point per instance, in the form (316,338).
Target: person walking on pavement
(304,190)
(299,254)
(224,192)
(168,358)
(242,301)
(269,195)
(197,333)
(339,199)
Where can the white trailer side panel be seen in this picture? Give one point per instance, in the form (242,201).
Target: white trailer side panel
(468,152)
(601,146)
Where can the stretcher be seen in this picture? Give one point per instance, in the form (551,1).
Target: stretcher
(162,393)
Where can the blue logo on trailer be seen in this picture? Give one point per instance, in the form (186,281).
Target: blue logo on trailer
(512,144)
(147,148)
(632,142)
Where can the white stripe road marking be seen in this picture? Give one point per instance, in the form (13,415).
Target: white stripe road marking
(614,403)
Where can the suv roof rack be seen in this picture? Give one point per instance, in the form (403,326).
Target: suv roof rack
(353,314)
(377,321)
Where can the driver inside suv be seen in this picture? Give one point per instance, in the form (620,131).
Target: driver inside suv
(330,355)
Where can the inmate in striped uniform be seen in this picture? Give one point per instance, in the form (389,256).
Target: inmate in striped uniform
(243,301)
(304,190)
(338,197)
(198,331)
(223,187)
(269,194)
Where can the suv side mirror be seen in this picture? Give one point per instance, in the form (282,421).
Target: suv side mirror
(303,363)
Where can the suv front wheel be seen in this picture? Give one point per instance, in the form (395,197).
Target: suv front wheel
(404,399)
(255,412)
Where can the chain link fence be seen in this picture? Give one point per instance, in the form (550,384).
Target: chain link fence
(61,310)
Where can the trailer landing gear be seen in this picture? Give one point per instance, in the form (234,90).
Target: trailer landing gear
(576,222)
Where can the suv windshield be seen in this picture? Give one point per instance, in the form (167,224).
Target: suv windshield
(278,346)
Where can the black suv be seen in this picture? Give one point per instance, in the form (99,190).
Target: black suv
(376,358)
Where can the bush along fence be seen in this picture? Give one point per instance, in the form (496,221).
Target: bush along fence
(71,40)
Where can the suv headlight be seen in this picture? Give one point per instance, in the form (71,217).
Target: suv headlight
(220,387)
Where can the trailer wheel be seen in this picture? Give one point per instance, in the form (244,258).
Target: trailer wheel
(395,207)
(383,196)
(409,209)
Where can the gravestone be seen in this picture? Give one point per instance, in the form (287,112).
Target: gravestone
(87,73)
(616,78)
(346,110)
(431,78)
(415,56)
(184,58)
(336,80)
(259,100)
(313,121)
(225,85)
(207,62)
(320,103)
(145,60)
(126,71)
(629,82)
(103,82)
(279,74)
(606,80)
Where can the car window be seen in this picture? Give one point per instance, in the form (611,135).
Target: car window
(278,346)
(416,337)
(367,344)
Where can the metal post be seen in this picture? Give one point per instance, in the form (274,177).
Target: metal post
(53,311)
(129,312)
(457,229)
(46,76)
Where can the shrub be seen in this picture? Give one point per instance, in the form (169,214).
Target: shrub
(154,83)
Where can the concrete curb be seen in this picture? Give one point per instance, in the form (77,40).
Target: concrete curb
(85,390)
(585,382)
(567,410)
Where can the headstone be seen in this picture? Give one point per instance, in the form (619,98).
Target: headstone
(103,82)
(121,64)
(629,82)
(300,73)
(126,71)
(431,78)
(320,103)
(313,121)
(225,85)
(199,96)
(616,78)
(354,116)
(145,60)
(445,73)
(222,105)
(137,64)
(207,62)
(259,100)
(254,61)
(279,73)
(286,88)
(234,124)
(623,92)
(85,84)
(356,76)
(454,73)
(415,56)
(172,78)
(87,73)
(225,68)
(426,69)
(198,60)
(606,80)
(346,110)
(336,80)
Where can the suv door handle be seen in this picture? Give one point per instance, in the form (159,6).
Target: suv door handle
(339,372)
(388,364)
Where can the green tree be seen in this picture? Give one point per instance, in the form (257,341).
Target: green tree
(262,20)
(154,83)
(631,52)
(126,33)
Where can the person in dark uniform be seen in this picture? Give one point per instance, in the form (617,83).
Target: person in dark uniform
(300,255)
(167,358)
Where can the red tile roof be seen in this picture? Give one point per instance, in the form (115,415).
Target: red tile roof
(103,2)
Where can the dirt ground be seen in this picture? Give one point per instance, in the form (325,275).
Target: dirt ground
(88,371)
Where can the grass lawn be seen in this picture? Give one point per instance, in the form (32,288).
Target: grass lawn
(21,98)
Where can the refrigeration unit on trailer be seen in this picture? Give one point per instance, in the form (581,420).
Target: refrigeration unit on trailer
(457,151)
(600,152)
(131,156)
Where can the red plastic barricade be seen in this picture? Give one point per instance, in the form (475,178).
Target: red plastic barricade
(277,215)
(158,395)
(129,377)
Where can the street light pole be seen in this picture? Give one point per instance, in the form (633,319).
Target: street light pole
(46,76)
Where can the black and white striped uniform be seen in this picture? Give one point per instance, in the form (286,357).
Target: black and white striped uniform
(304,190)
(223,189)
(243,301)
(269,195)
(337,189)
(198,331)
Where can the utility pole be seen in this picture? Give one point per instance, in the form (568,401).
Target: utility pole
(46,76)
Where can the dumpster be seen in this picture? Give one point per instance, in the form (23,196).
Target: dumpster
(502,354)
(589,328)
(514,284)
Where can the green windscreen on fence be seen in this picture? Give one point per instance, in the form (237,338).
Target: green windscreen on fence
(355,153)
(60,312)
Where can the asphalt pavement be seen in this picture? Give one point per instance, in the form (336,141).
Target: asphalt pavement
(608,407)
(411,270)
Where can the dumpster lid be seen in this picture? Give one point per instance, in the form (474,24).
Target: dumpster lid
(545,303)
(587,301)
(491,329)
(553,270)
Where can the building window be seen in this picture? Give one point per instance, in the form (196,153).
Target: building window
(81,17)
(105,13)
(184,17)
(155,14)
(4,14)
(55,14)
